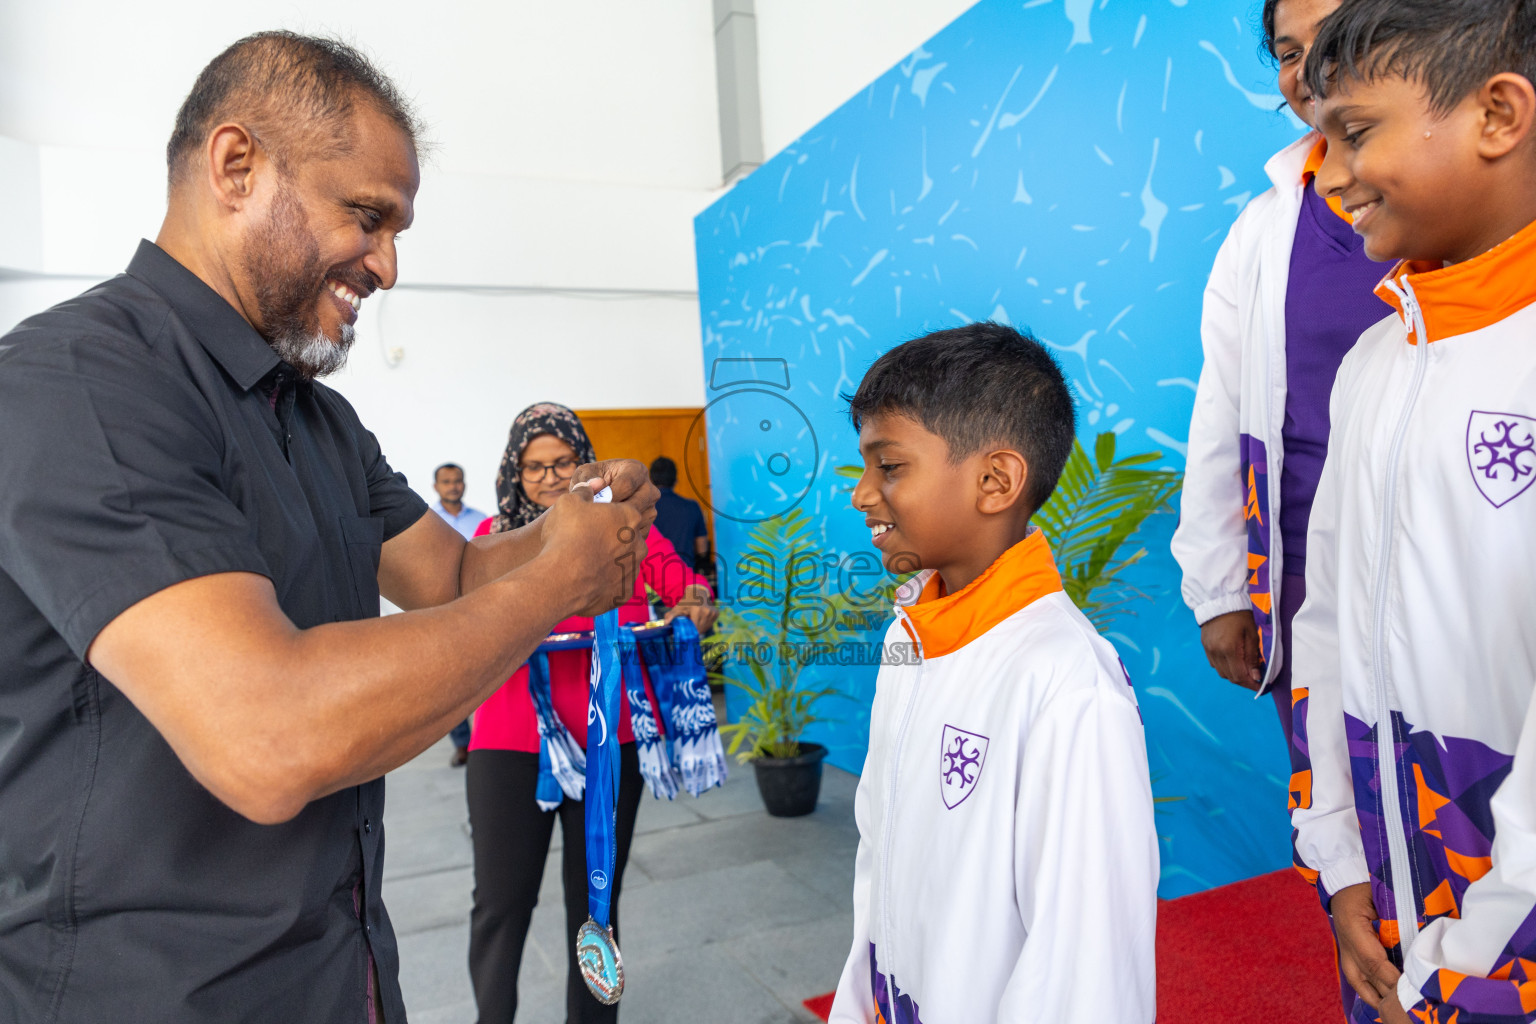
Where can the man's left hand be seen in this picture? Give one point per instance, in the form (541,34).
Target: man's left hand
(628,479)
(698,605)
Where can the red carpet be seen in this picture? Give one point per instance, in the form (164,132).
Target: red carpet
(1254,950)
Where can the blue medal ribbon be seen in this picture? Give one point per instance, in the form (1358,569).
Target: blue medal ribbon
(602,789)
(597,953)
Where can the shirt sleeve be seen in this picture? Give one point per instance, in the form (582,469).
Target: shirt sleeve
(1480,967)
(1085,867)
(1211,541)
(665,572)
(113,487)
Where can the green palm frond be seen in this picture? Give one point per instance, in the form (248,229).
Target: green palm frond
(1098,505)
(786,608)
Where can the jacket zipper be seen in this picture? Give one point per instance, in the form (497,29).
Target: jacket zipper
(890,828)
(1386,753)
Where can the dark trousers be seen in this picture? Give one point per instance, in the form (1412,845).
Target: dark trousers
(511,841)
(460,734)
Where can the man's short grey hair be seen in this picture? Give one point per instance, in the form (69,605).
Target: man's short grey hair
(294,93)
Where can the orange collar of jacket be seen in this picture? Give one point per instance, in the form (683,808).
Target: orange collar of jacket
(944,623)
(1468,296)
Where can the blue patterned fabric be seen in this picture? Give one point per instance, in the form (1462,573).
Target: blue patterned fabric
(682,690)
(654,765)
(561,761)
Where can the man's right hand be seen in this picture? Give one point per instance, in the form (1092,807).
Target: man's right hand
(1232,647)
(1362,958)
(599,546)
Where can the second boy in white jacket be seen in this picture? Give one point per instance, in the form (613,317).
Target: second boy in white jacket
(1007,864)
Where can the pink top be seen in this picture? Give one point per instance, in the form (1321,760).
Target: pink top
(506,720)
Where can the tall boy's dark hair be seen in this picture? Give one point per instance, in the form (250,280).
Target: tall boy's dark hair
(978,385)
(295,93)
(1451,47)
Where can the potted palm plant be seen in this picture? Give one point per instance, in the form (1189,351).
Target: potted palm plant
(787,615)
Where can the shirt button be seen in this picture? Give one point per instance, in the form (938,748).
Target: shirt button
(367,825)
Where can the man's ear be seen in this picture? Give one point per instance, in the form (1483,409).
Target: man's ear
(1508,104)
(1004,474)
(232,159)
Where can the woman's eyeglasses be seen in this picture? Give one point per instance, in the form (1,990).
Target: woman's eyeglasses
(535,472)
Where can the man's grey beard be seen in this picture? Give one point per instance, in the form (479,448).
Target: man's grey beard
(314,355)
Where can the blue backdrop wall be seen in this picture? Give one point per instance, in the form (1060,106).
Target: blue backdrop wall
(1066,165)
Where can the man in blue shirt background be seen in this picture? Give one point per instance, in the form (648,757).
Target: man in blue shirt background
(448,482)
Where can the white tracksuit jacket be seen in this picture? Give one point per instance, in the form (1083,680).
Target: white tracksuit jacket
(1421,616)
(1231,555)
(1007,866)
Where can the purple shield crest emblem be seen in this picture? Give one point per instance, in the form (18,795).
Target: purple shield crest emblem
(961,757)
(1501,453)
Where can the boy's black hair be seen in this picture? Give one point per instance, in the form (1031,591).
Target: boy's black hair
(663,472)
(1451,47)
(978,385)
(446,465)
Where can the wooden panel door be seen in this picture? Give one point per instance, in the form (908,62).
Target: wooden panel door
(644,434)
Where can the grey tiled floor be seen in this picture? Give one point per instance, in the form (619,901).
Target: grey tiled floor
(728,914)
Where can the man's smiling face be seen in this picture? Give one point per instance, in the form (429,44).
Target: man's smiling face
(326,241)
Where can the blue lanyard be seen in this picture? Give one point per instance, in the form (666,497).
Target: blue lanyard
(603,768)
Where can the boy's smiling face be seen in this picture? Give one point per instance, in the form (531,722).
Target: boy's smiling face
(1421,184)
(914,499)
(927,511)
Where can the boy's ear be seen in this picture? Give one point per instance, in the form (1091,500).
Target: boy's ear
(1003,476)
(1508,101)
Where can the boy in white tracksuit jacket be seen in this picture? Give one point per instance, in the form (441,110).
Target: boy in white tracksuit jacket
(1007,864)
(1418,639)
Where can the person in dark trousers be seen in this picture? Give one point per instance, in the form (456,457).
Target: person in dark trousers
(679,519)
(510,828)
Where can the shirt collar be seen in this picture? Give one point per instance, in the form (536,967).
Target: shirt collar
(1468,296)
(1286,167)
(942,624)
(223,332)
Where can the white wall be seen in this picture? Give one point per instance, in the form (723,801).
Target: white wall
(552,256)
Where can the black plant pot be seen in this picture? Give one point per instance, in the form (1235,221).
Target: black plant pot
(790,785)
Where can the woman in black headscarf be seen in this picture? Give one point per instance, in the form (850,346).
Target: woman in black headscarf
(511,833)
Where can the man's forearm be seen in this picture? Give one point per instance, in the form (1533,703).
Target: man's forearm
(269,717)
(490,557)
(394,686)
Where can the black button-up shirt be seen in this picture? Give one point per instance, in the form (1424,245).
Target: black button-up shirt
(139,447)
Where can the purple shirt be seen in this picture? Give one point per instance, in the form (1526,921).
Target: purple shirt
(1330,300)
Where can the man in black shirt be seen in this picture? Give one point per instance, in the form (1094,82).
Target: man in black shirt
(197,696)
